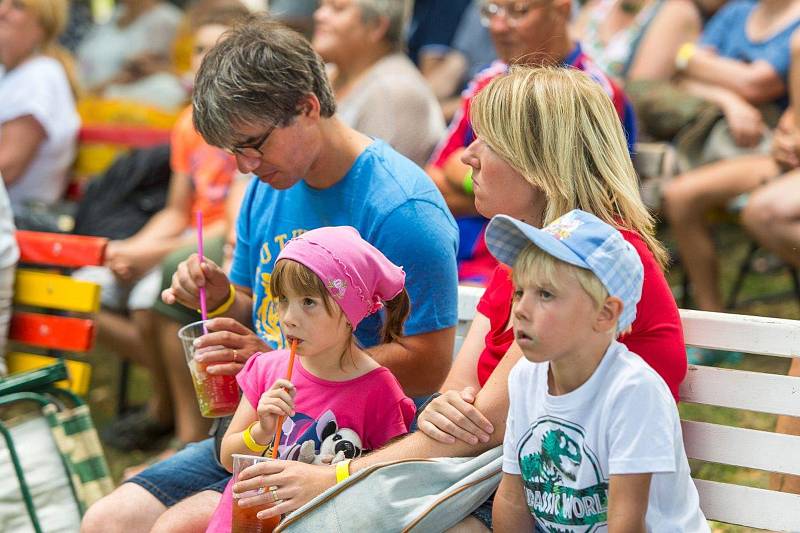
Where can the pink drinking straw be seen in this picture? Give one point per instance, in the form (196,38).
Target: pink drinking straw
(203,308)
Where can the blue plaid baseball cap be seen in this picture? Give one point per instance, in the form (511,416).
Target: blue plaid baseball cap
(581,239)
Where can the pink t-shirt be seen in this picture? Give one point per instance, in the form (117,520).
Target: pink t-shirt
(356,415)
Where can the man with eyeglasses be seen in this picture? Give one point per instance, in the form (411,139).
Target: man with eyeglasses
(530,32)
(262,94)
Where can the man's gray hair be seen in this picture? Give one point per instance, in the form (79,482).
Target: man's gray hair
(259,73)
(397,12)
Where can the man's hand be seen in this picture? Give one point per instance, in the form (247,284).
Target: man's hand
(228,347)
(190,276)
(296,484)
(452,416)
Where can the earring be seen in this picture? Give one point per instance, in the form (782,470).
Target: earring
(349,325)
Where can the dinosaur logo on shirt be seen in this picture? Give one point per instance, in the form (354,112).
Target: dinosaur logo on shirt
(565,487)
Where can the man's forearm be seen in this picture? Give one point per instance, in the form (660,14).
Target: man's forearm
(747,80)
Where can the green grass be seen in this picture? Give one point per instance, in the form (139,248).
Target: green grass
(103,395)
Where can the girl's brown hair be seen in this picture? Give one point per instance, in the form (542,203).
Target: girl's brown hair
(291,275)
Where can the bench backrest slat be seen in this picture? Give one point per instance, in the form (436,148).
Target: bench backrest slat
(752,507)
(52,332)
(56,249)
(741,333)
(740,389)
(54,291)
(747,448)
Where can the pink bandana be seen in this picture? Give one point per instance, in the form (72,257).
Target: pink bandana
(357,275)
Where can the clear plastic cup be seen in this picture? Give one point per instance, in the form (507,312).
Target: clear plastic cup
(245,519)
(216,395)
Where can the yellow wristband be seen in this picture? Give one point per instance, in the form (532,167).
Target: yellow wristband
(684,55)
(222,309)
(342,470)
(250,442)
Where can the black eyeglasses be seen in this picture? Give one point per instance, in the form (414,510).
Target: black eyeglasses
(252,149)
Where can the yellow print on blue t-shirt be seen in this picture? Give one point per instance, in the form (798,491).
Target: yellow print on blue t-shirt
(267,325)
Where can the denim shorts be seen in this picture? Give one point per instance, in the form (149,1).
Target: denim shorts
(191,470)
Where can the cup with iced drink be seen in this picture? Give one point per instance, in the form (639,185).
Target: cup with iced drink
(244,518)
(217,395)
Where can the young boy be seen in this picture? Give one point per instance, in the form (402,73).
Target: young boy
(593,440)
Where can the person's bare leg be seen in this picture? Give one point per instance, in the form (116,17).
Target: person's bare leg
(469,525)
(687,201)
(120,334)
(190,426)
(791,426)
(159,405)
(129,509)
(190,515)
(772,217)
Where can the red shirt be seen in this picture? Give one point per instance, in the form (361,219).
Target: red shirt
(656,334)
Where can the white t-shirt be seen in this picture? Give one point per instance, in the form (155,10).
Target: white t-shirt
(39,87)
(8,243)
(105,48)
(623,420)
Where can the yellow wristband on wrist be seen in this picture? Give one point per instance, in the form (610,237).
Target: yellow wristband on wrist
(342,470)
(684,55)
(222,309)
(250,442)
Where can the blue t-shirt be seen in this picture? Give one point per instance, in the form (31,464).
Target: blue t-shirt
(726,33)
(391,202)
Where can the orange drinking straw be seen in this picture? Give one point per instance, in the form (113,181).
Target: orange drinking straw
(277,440)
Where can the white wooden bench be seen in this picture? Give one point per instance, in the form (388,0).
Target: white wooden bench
(737,389)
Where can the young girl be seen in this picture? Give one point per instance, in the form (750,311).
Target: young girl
(339,402)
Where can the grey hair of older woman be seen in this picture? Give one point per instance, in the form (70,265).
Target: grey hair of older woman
(259,73)
(397,12)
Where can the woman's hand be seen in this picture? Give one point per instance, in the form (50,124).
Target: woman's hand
(452,416)
(190,276)
(276,402)
(785,145)
(745,122)
(296,484)
(228,347)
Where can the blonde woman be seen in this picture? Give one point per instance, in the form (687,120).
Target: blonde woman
(38,120)
(548,141)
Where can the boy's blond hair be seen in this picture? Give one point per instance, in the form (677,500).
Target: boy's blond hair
(534,263)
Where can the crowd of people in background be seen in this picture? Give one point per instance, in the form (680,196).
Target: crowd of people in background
(415,123)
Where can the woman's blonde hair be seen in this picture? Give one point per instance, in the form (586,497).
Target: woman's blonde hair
(53,16)
(558,128)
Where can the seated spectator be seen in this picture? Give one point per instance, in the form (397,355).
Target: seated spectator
(9,253)
(739,67)
(38,120)
(522,172)
(637,39)
(378,90)
(126,57)
(529,33)
(449,68)
(690,197)
(132,278)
